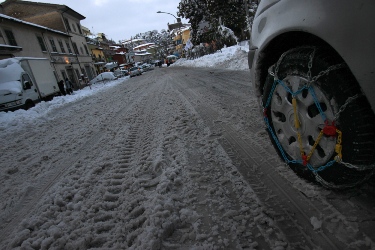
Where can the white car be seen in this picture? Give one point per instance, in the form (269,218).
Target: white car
(312,67)
(103,76)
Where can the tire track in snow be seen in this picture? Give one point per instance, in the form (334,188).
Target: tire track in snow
(240,232)
(33,195)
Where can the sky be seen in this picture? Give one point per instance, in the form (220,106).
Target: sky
(122,19)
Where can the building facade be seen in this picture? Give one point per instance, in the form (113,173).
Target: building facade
(23,39)
(71,57)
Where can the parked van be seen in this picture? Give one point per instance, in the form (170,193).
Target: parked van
(25,81)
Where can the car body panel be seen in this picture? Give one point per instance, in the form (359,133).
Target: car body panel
(347,26)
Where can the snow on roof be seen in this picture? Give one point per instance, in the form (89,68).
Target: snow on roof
(144,45)
(32,24)
(133,41)
(140,50)
(143,54)
(186,28)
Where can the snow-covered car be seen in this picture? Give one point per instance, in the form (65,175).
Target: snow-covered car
(135,71)
(104,76)
(312,68)
(120,73)
(125,72)
(150,66)
(144,67)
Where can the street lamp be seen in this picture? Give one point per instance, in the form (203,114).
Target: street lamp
(178,19)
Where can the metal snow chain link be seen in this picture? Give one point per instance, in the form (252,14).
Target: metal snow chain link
(291,51)
(358,167)
(342,108)
(325,72)
(334,186)
(271,71)
(310,64)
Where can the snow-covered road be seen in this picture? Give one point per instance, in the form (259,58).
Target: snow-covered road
(174,159)
(132,167)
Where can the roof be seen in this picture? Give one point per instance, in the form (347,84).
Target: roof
(144,45)
(63,8)
(31,24)
(143,54)
(133,41)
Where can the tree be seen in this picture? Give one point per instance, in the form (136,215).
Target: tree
(162,39)
(223,16)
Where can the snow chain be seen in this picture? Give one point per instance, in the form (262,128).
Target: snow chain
(329,128)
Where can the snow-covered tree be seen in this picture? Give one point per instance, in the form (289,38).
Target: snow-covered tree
(222,16)
(161,39)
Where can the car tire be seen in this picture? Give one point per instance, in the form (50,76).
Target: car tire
(29,104)
(335,90)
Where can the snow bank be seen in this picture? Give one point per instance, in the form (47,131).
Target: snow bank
(233,58)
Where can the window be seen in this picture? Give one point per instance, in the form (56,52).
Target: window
(87,51)
(67,24)
(61,46)
(81,50)
(79,28)
(41,43)
(26,81)
(68,46)
(53,45)
(10,36)
(75,48)
(74,28)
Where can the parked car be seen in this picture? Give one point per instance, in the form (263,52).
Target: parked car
(312,68)
(118,73)
(150,66)
(172,59)
(135,71)
(125,72)
(145,67)
(103,76)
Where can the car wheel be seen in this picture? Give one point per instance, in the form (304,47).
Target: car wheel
(317,118)
(29,104)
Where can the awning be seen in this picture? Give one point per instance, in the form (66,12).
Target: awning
(99,63)
(9,48)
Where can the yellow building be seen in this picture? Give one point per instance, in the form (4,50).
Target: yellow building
(181,37)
